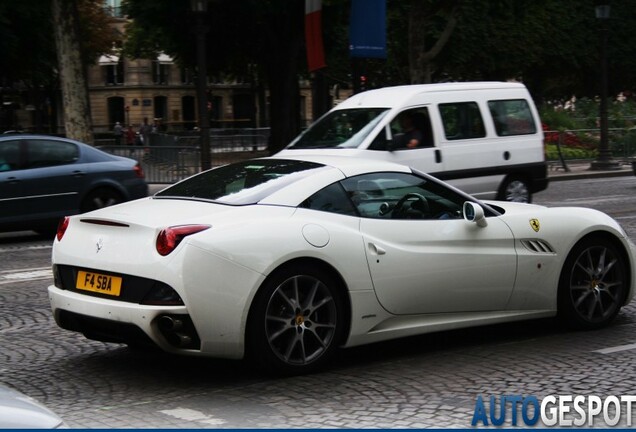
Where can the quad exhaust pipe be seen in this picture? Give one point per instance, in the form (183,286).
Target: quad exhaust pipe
(170,324)
(179,331)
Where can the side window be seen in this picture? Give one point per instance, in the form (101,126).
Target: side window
(43,153)
(402,196)
(332,199)
(409,130)
(462,120)
(512,117)
(9,155)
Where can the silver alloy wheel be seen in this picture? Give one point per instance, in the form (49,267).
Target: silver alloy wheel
(517,191)
(596,284)
(300,320)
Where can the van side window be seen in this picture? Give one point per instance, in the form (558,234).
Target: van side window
(462,120)
(512,117)
(410,129)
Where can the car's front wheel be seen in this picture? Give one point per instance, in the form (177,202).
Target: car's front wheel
(593,284)
(297,321)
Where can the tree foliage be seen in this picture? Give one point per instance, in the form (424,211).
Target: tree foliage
(551,45)
(28,61)
(253,41)
(27,44)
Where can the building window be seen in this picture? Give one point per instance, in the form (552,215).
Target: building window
(114,74)
(160,73)
(187,76)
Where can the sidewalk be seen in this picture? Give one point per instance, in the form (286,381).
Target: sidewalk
(581,170)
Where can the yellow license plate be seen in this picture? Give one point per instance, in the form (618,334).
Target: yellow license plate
(95,282)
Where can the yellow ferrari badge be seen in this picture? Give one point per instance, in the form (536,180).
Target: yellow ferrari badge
(534,223)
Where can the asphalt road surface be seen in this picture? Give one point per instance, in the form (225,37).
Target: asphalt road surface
(427,381)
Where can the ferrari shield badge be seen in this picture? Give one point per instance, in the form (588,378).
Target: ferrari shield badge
(534,223)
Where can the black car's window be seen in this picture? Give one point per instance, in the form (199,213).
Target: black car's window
(9,155)
(331,199)
(242,183)
(43,153)
(402,196)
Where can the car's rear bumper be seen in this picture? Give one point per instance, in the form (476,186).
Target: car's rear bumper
(114,321)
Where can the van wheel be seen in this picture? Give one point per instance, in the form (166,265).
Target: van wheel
(515,189)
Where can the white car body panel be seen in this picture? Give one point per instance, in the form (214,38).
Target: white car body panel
(417,271)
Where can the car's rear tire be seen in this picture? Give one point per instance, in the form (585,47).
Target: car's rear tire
(593,284)
(515,189)
(100,198)
(296,322)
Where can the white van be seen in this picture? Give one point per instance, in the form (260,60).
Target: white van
(483,137)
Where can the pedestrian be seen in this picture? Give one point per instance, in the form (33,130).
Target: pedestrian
(144,131)
(118,132)
(130,138)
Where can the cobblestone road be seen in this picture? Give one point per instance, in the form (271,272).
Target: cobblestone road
(428,381)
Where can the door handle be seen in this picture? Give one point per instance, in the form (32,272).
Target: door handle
(438,156)
(375,249)
(78,173)
(13,180)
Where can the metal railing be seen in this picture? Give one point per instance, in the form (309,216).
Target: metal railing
(577,144)
(170,158)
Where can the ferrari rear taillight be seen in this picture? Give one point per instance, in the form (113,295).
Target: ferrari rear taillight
(139,171)
(169,238)
(61,227)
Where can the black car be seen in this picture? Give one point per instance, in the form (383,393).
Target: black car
(43,178)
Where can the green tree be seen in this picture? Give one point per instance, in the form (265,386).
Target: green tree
(253,40)
(29,61)
(77,118)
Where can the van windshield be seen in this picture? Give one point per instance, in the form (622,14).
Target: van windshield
(340,129)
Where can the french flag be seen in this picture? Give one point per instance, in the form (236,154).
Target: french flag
(313,35)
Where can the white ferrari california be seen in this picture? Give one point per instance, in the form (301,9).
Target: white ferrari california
(284,260)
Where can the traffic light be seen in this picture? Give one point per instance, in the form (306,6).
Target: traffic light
(363,83)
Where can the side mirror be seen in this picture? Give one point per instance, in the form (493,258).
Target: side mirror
(474,213)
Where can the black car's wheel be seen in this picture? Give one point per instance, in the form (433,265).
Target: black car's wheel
(515,189)
(593,284)
(296,322)
(100,198)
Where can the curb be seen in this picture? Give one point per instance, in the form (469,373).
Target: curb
(588,175)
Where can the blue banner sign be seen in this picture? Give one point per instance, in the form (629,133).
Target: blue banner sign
(367,33)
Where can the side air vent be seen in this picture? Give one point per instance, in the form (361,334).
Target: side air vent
(538,246)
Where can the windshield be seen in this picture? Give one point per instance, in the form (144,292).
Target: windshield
(340,129)
(242,183)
